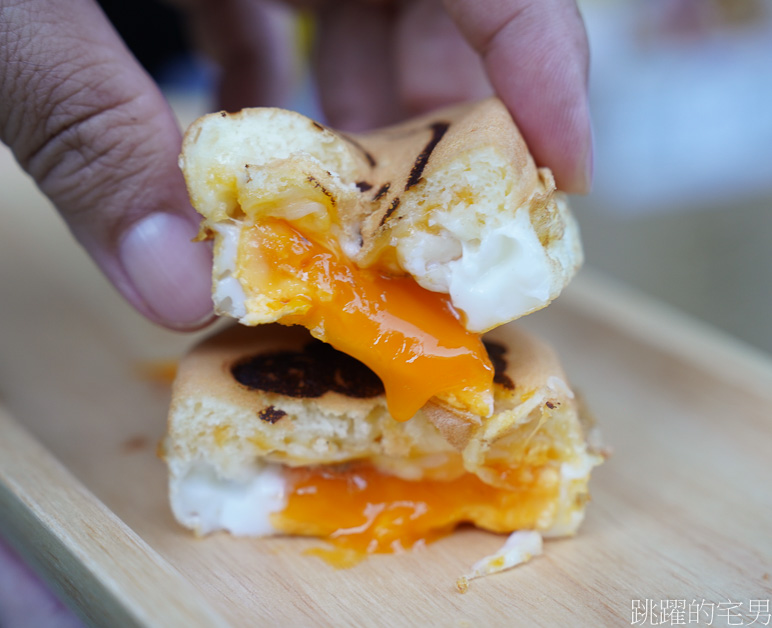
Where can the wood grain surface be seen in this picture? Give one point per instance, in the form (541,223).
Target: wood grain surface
(681,511)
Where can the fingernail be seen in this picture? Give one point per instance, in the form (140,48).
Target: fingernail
(172,274)
(589,164)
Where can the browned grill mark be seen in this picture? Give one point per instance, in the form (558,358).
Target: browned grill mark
(324,190)
(390,211)
(360,148)
(438,130)
(271,414)
(364,186)
(317,125)
(497,353)
(312,372)
(382,191)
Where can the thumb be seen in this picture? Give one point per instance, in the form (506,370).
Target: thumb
(99,139)
(537,59)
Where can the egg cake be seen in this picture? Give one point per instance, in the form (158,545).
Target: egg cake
(372,394)
(397,247)
(274,432)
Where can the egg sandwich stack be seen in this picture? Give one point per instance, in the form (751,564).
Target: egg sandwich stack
(370,394)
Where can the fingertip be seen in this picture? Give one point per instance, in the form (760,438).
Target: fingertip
(537,58)
(584,168)
(553,117)
(571,156)
(587,168)
(169,274)
(97,135)
(436,66)
(25,600)
(355,68)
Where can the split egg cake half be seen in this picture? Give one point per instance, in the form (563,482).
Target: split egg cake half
(366,396)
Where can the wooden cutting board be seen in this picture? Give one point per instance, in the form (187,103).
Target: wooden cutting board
(682,511)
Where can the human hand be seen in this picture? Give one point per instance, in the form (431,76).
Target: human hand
(380,61)
(97,136)
(25,601)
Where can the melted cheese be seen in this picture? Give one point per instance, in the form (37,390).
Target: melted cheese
(362,511)
(410,337)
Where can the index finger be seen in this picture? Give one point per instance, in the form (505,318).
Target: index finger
(537,59)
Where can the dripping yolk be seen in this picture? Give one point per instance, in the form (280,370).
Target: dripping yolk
(361,510)
(410,337)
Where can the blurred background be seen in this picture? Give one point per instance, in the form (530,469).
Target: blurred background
(682,201)
(681,93)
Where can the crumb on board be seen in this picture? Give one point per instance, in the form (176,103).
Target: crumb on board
(519,548)
(135,444)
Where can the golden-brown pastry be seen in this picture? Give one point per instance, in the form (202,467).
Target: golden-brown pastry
(272,431)
(397,247)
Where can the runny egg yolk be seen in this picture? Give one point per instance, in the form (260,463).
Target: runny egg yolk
(410,337)
(361,510)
